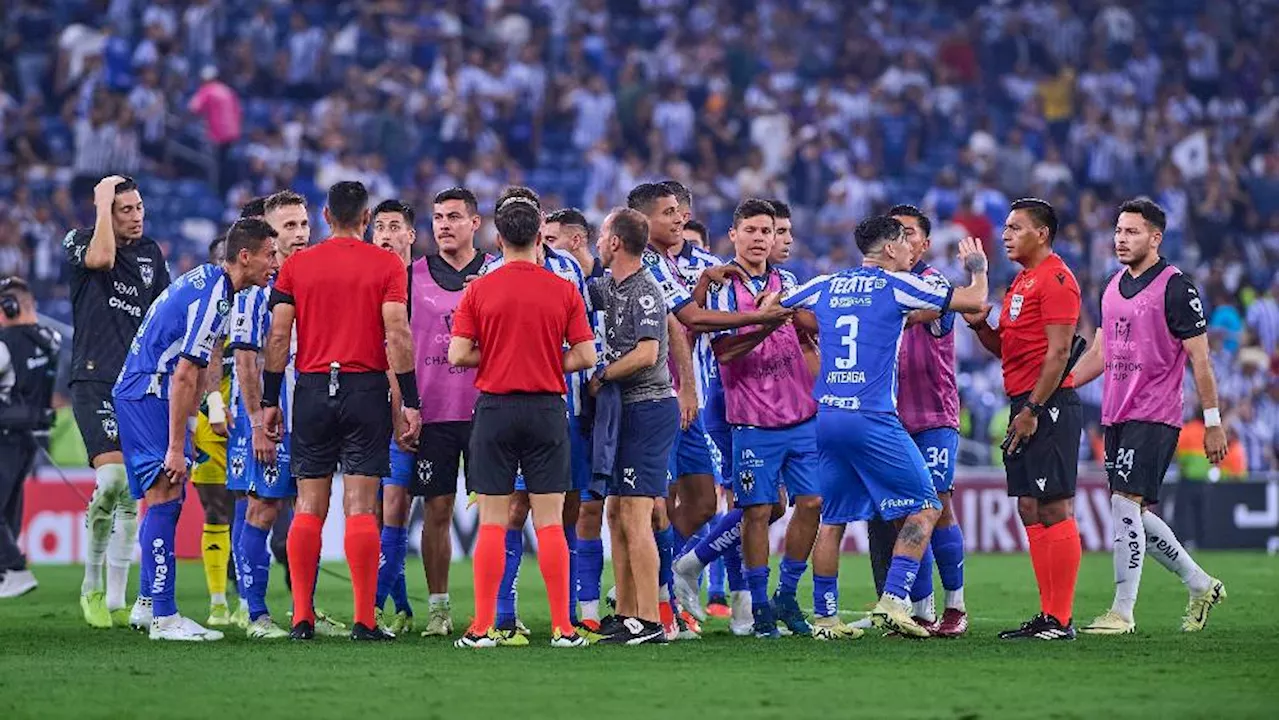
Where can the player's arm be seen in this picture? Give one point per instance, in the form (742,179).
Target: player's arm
(700,319)
(464,348)
(641,357)
(204,327)
(405,403)
(972,297)
(681,351)
(1184,315)
(1092,363)
(716,275)
(1055,361)
(578,334)
(101,253)
(211,391)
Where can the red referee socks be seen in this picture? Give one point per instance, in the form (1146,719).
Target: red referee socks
(1062,548)
(1040,563)
(489,558)
(361,542)
(304,560)
(553,561)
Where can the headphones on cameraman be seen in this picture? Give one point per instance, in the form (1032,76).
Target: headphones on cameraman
(8,301)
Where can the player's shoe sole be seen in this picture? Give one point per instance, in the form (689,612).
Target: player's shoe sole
(94,608)
(893,616)
(1199,606)
(1109,623)
(830,628)
(178,628)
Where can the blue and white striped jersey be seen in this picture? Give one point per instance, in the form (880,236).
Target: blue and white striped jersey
(668,277)
(184,322)
(861,314)
(250,326)
(690,263)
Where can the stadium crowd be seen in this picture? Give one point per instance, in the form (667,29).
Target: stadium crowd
(957,106)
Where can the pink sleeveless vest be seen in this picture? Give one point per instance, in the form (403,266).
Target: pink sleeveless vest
(1144,361)
(927,393)
(448,393)
(769,387)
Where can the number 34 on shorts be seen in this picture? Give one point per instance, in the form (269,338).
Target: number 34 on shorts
(939,447)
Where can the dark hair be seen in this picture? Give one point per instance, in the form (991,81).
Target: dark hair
(396,206)
(752,207)
(284,198)
(781,210)
(569,216)
(514,191)
(248,235)
(872,233)
(684,196)
(125,185)
(458,193)
(518,220)
(632,227)
(1041,212)
(255,208)
(347,202)
(699,228)
(914,212)
(643,196)
(1148,209)
(213,247)
(15,284)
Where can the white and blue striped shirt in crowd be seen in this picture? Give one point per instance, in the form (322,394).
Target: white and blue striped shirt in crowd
(690,262)
(250,327)
(184,322)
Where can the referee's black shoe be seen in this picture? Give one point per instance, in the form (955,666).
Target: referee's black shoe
(1041,627)
(1028,629)
(360,633)
(304,630)
(635,631)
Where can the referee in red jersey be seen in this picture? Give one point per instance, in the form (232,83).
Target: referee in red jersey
(347,300)
(1033,341)
(513,324)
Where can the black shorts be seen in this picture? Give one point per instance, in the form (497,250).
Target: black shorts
(525,433)
(440,446)
(95,415)
(1138,455)
(348,429)
(1046,467)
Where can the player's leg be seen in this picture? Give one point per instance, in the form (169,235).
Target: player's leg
(239,463)
(580,475)
(271,487)
(590,557)
(513,547)
(720,436)
(215,537)
(695,483)
(393,542)
(95,415)
(625,603)
(843,501)
(441,447)
(800,476)
(757,476)
(314,453)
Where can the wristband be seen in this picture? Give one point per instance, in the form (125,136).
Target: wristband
(1212,418)
(408,382)
(271,382)
(1035,408)
(217,413)
(599,374)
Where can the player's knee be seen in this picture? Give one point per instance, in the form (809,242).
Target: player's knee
(810,505)
(519,510)
(947,517)
(1029,511)
(438,511)
(776,511)
(262,512)
(659,518)
(758,517)
(1056,511)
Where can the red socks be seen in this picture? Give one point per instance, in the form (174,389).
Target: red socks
(489,560)
(303,548)
(1040,564)
(553,561)
(362,543)
(1062,546)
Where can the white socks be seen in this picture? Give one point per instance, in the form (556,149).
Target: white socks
(954,599)
(436,600)
(589,609)
(1163,545)
(124,540)
(110,484)
(1130,546)
(925,609)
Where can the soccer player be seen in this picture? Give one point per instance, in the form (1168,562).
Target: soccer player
(116,273)
(1152,323)
(157,394)
(929,405)
(260,469)
(1033,342)
(868,461)
(349,302)
(768,401)
(210,477)
(520,421)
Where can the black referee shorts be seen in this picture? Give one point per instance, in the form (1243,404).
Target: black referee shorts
(529,433)
(1137,456)
(1047,466)
(95,414)
(348,429)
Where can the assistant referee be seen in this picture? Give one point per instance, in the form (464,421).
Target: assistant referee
(513,324)
(347,298)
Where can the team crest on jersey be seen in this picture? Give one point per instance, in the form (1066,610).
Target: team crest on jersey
(237,465)
(748,480)
(110,429)
(424,472)
(646,302)
(224,306)
(148,274)
(1123,328)
(271,475)
(1015,307)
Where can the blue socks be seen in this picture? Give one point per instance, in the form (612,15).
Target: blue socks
(590,568)
(733,567)
(666,540)
(790,572)
(571,539)
(726,533)
(510,575)
(948,548)
(758,580)
(156,535)
(255,568)
(395,543)
(923,586)
(826,595)
(715,579)
(901,576)
(237,527)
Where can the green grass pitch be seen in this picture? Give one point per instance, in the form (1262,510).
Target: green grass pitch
(51,665)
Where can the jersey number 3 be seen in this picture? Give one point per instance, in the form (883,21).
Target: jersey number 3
(849,340)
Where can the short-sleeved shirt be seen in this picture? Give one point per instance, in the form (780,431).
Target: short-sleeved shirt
(109,304)
(861,314)
(674,292)
(338,289)
(186,321)
(521,316)
(1044,295)
(634,310)
(1183,308)
(250,326)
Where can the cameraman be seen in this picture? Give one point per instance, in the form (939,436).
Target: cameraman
(28,369)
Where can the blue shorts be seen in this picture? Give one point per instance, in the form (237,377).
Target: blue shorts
(646,435)
(939,447)
(721,434)
(870,466)
(691,454)
(245,474)
(403,465)
(579,454)
(767,459)
(144,440)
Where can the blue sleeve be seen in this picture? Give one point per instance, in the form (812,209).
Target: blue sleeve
(674,292)
(943,325)
(913,292)
(807,295)
(722,298)
(247,313)
(206,318)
